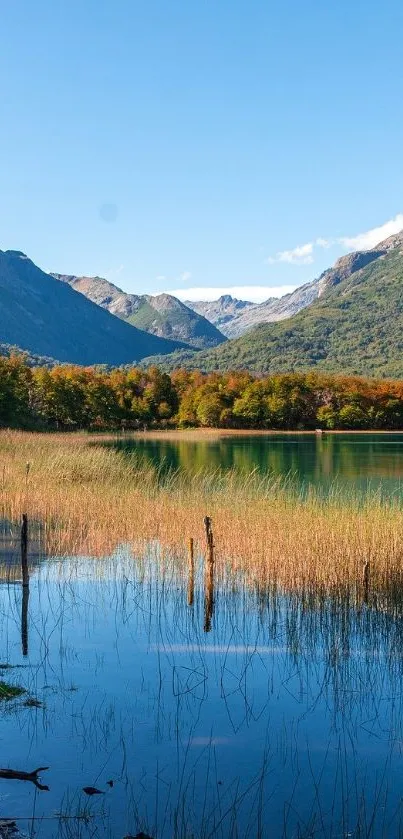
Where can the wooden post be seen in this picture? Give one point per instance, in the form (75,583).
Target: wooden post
(24,550)
(209,576)
(208,596)
(24,620)
(191,585)
(210,539)
(365,580)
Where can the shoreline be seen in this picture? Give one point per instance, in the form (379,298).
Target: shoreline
(189,434)
(216,433)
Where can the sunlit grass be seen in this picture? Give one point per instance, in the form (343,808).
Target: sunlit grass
(92,498)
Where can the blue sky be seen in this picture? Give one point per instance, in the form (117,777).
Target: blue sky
(196,144)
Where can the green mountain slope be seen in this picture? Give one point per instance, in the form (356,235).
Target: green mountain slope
(48,318)
(355,327)
(166,316)
(160,314)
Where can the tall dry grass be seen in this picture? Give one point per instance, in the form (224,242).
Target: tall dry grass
(92,498)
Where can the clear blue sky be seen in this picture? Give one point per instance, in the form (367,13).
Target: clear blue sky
(149,141)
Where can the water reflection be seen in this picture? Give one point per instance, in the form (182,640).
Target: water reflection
(284,720)
(355,461)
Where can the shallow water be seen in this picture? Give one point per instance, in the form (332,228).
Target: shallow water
(354,462)
(283,720)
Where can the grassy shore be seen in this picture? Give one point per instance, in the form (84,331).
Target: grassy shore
(90,499)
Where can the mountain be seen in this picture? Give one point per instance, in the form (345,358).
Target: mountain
(235,317)
(222,312)
(161,314)
(354,326)
(48,318)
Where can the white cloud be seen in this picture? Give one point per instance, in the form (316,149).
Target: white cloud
(304,254)
(254,293)
(371,238)
(301,255)
(324,243)
(184,277)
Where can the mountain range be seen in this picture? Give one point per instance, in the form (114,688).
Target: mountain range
(349,320)
(48,318)
(353,324)
(235,317)
(161,314)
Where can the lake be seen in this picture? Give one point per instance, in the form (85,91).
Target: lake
(284,719)
(355,462)
(205,705)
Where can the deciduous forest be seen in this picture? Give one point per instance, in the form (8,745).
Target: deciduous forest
(72,398)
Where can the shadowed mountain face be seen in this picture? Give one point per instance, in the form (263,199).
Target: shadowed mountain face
(354,326)
(48,318)
(161,315)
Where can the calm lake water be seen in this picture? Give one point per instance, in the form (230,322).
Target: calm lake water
(283,720)
(352,461)
(224,713)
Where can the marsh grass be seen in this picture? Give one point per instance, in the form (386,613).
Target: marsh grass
(90,498)
(9,691)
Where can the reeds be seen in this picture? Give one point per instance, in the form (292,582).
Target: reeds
(91,498)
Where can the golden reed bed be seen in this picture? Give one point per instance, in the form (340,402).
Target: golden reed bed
(91,498)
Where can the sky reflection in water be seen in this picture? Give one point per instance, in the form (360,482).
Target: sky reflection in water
(282,717)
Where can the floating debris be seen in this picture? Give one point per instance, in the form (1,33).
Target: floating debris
(138,836)
(16,775)
(93,791)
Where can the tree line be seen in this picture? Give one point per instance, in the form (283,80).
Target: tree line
(68,397)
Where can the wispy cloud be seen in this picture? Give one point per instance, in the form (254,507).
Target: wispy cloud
(371,238)
(184,277)
(305,254)
(323,243)
(301,255)
(254,293)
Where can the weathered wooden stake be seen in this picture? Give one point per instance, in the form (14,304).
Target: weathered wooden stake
(365,580)
(24,550)
(24,620)
(210,539)
(191,585)
(209,576)
(208,596)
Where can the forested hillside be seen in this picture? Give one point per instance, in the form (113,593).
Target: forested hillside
(355,327)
